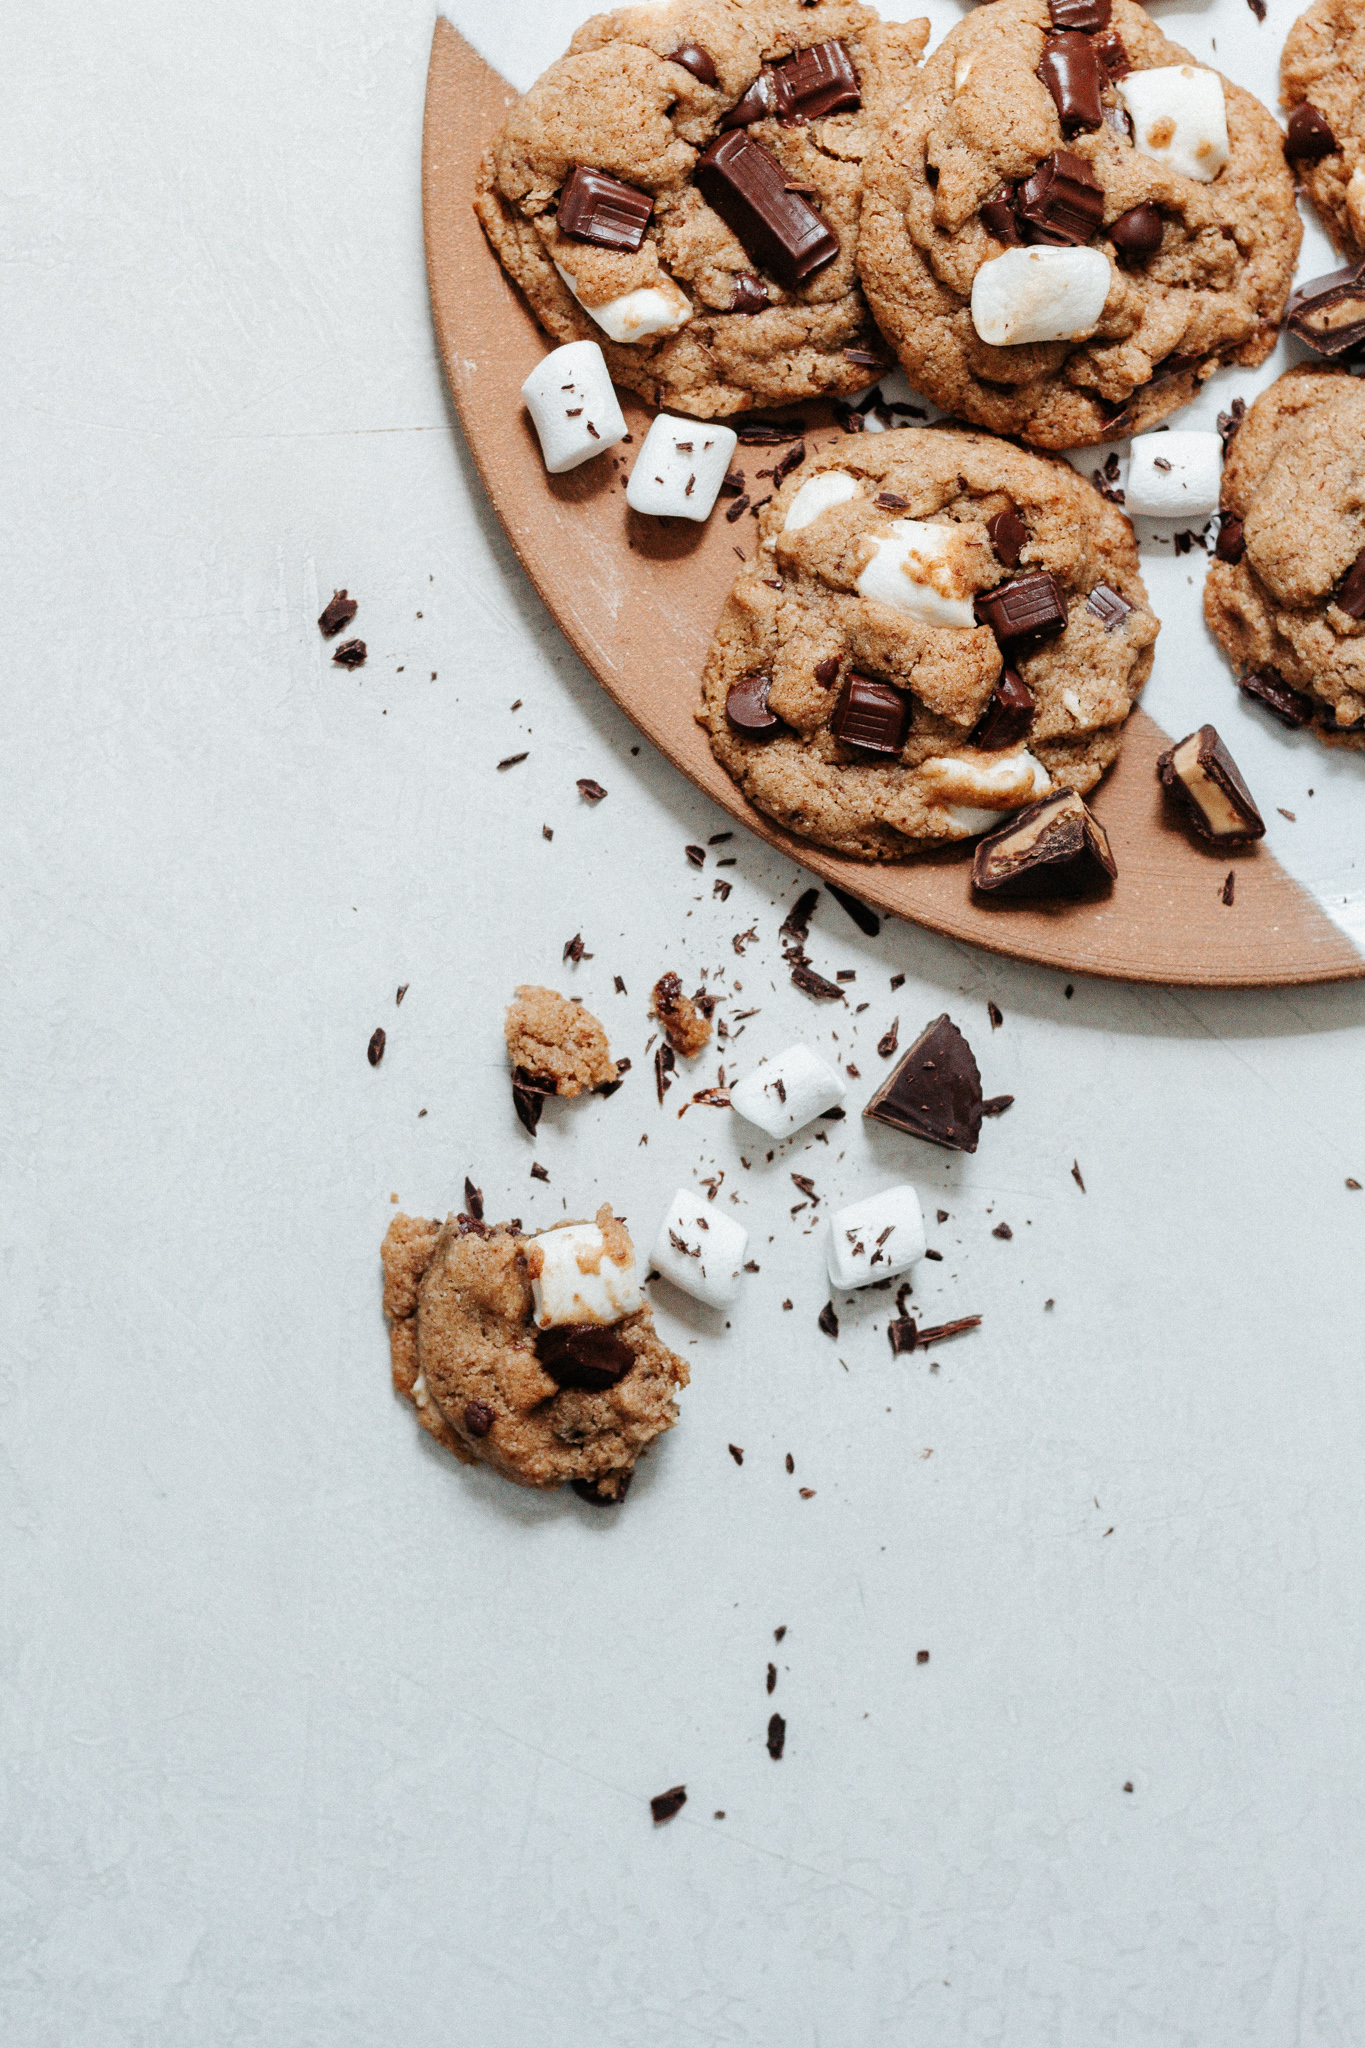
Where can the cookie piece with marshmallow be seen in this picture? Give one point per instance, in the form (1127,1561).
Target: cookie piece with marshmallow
(1179,118)
(876,1239)
(574,408)
(1041,294)
(787,1092)
(582,1273)
(701,1249)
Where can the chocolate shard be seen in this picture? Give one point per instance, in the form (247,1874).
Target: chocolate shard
(768,99)
(1349,596)
(903,1334)
(822,81)
(999,219)
(1269,687)
(1230,545)
(1328,313)
(664,1805)
(870,717)
(1202,776)
(1109,606)
(1137,234)
(749,294)
(528,1096)
(1115,64)
(1309,138)
(1008,715)
(1054,848)
(1029,608)
(699,62)
(338,612)
(588,1356)
(746,707)
(1062,203)
(866,920)
(595,207)
(374,1051)
(777,1736)
(827,672)
(1071,72)
(1008,536)
(350,654)
(1089,15)
(934,1091)
(778,228)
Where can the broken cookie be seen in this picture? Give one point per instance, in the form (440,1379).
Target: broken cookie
(686,1020)
(555,1047)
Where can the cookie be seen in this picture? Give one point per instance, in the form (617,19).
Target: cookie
(539,1404)
(684,188)
(1010,174)
(937,629)
(1285,592)
(1322,83)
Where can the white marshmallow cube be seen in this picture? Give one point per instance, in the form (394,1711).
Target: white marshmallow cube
(820,494)
(1179,118)
(574,1281)
(1041,294)
(913,568)
(569,396)
(701,1249)
(679,471)
(1175,475)
(877,1238)
(788,1092)
(635,316)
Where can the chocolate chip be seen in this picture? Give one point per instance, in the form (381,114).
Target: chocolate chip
(1029,608)
(1008,715)
(595,207)
(1269,687)
(1350,594)
(747,187)
(1002,1230)
(695,59)
(935,1090)
(1071,72)
(772,1679)
(827,672)
(1054,848)
(1008,535)
(586,1356)
(1137,234)
(870,717)
(593,791)
(1328,313)
(1109,606)
(1076,1176)
(748,294)
(999,219)
(665,1804)
(828,1321)
(865,919)
(1063,202)
(350,654)
(1309,138)
(338,613)
(1230,545)
(1204,779)
(777,1736)
(478,1418)
(374,1052)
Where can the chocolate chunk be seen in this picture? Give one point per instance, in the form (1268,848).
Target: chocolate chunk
(1310,137)
(595,207)
(1071,72)
(1115,64)
(999,219)
(1085,14)
(1063,202)
(1137,234)
(865,919)
(829,1323)
(1269,687)
(478,1418)
(1203,777)
(749,294)
(1008,534)
(1350,593)
(996,1105)
(1002,1230)
(777,1736)
(903,1334)
(1230,545)
(350,654)
(813,984)
(1029,608)
(796,924)
(768,99)
(827,672)
(1007,717)
(746,707)
(821,81)
(337,614)
(1109,606)
(934,1091)
(665,1804)
(1054,848)
(768,433)
(528,1096)
(790,462)
(584,1355)
(870,717)
(607,1492)
(374,1052)
(1328,313)
(693,58)
(747,186)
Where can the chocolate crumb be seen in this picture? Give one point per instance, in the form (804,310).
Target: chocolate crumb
(473,1199)
(772,1678)
(778,1633)
(791,1462)
(338,613)
(663,1067)
(593,791)
(512,761)
(350,654)
(1258,8)
(1353,1184)
(777,1737)
(573,949)
(897,981)
(943,1215)
(996,1015)
(1287,814)
(665,1804)
(786,1304)
(996,1105)
(937,1257)
(806,1492)
(1226,892)
(697,855)
(401,993)
(620,985)
(941,1331)
(889,1040)
(1128,1783)
(1076,1176)
(736,1453)
(375,1050)
(1002,1230)
(478,1418)
(828,1321)
(538,1172)
(546,833)
(921,1656)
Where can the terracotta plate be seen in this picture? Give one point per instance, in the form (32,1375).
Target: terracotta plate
(639,602)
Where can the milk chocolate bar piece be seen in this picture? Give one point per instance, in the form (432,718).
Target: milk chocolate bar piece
(1203,777)
(781,230)
(934,1092)
(1054,848)
(1070,70)
(1007,717)
(1329,312)
(1031,607)
(870,716)
(595,207)
(1063,202)
(1109,606)
(822,81)
(1085,14)
(1280,698)
(999,218)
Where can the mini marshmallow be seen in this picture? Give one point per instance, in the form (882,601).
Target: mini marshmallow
(913,568)
(679,471)
(569,396)
(788,1092)
(819,494)
(650,309)
(877,1238)
(1002,782)
(573,1280)
(1041,294)
(1179,118)
(701,1249)
(1175,475)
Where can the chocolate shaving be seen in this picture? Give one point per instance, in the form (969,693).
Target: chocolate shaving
(593,791)
(813,984)
(996,1105)
(374,1052)
(664,1063)
(865,919)
(512,761)
(573,949)
(942,1331)
(338,613)
(777,1737)
(473,1199)
(889,1040)
(350,654)
(664,1805)
(829,1323)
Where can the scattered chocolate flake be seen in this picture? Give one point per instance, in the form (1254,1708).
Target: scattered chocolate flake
(832,1116)
(787,1304)
(813,984)
(1229,886)
(478,1418)
(865,919)
(796,924)
(791,1467)
(943,1215)
(609,1088)
(1076,1176)
(528,1096)
(921,1656)
(538,1172)
(772,1679)
(401,993)
(473,1199)
(1230,421)
(1106,489)
(996,1105)
(620,985)
(697,855)
(375,1050)
(739,940)
(712,1098)
(1355,1184)
(546,833)
(665,1804)
(719,838)
(806,1185)
(733,485)
(1258,8)
(338,613)
(996,1015)
(777,1736)
(791,461)
(1002,1230)
(350,654)
(828,1321)
(903,1336)
(1291,815)
(664,1064)
(736,1453)
(573,949)
(593,791)
(889,1040)
(806,1492)
(846,974)
(941,1331)
(721,889)
(778,1633)
(937,1257)
(863,357)
(512,761)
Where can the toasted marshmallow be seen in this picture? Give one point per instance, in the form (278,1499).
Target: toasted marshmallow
(680,469)
(1179,118)
(701,1249)
(570,398)
(819,494)
(998,782)
(1040,294)
(1175,475)
(918,567)
(875,1239)
(788,1092)
(635,316)
(574,1279)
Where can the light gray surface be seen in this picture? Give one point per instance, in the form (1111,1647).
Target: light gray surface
(310,1736)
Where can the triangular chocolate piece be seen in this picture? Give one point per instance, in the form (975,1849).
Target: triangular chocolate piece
(934,1092)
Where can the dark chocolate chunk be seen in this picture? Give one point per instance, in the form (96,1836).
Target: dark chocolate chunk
(1202,776)
(1063,202)
(813,984)
(1310,137)
(478,1418)
(1269,687)
(1350,593)
(777,1736)
(595,207)
(1007,717)
(870,717)
(1115,64)
(350,654)
(1071,72)
(768,99)
(588,1356)
(607,1492)
(1054,848)
(780,229)
(1109,606)
(528,1096)
(1328,313)
(593,791)
(1008,534)
(749,294)
(746,707)
(902,1332)
(999,219)
(337,614)
(865,919)
(1137,234)
(1089,15)
(934,1091)
(664,1805)
(1029,608)
(374,1052)
(1230,545)
(821,81)
(693,58)
(828,1321)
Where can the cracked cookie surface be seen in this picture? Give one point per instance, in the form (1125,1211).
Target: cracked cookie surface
(1323,66)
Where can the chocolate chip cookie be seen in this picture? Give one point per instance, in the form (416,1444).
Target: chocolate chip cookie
(1286,590)
(684,188)
(544,1406)
(937,629)
(1322,83)
(1070,225)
